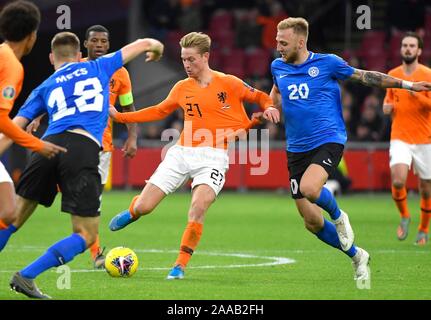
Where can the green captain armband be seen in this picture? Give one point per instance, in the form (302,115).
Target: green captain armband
(126,99)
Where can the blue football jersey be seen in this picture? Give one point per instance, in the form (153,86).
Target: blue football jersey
(311,100)
(75,96)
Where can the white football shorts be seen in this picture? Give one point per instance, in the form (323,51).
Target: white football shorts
(4,175)
(104,165)
(205,165)
(417,154)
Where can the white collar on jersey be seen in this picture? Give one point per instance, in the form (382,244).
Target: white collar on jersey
(65,65)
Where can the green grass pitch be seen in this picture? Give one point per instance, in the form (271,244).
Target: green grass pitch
(246,244)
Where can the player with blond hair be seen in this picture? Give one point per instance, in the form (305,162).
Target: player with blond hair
(212,103)
(306,88)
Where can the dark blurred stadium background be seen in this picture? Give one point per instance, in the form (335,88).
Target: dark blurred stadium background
(243,34)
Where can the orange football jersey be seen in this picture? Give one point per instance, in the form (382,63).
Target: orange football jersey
(119,85)
(211,114)
(411,118)
(11,78)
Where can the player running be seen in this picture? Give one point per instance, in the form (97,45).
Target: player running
(410,136)
(19,22)
(76,98)
(120,88)
(306,87)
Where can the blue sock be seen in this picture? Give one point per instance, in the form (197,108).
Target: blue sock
(60,253)
(327,201)
(5,235)
(328,234)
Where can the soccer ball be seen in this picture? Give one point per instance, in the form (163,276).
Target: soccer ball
(121,262)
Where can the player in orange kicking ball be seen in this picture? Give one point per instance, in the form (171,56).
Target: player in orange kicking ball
(213,110)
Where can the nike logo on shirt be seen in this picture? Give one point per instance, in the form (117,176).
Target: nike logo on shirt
(327,162)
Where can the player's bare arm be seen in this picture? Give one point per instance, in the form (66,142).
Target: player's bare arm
(388,109)
(113,112)
(152,47)
(276,97)
(20,121)
(130,146)
(273,113)
(34,125)
(382,80)
(5,141)
(48,149)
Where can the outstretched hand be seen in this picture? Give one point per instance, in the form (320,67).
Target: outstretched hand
(33,126)
(155,52)
(130,148)
(50,150)
(272,114)
(153,56)
(257,116)
(388,108)
(421,86)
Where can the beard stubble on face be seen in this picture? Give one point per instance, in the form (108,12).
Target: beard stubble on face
(409,59)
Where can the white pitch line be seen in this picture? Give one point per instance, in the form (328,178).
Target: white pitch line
(26,248)
(274,261)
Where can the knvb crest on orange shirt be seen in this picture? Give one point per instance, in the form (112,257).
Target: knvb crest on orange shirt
(112,84)
(222,96)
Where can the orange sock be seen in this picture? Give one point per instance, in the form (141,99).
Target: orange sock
(425,215)
(3,225)
(95,248)
(189,242)
(400,197)
(131,207)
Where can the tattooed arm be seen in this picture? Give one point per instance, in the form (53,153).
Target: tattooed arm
(382,80)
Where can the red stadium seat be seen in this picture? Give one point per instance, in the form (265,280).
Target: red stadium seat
(233,62)
(425,58)
(257,62)
(216,59)
(222,38)
(394,49)
(347,54)
(428,19)
(372,45)
(378,63)
(172,43)
(221,20)
(373,38)
(373,51)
